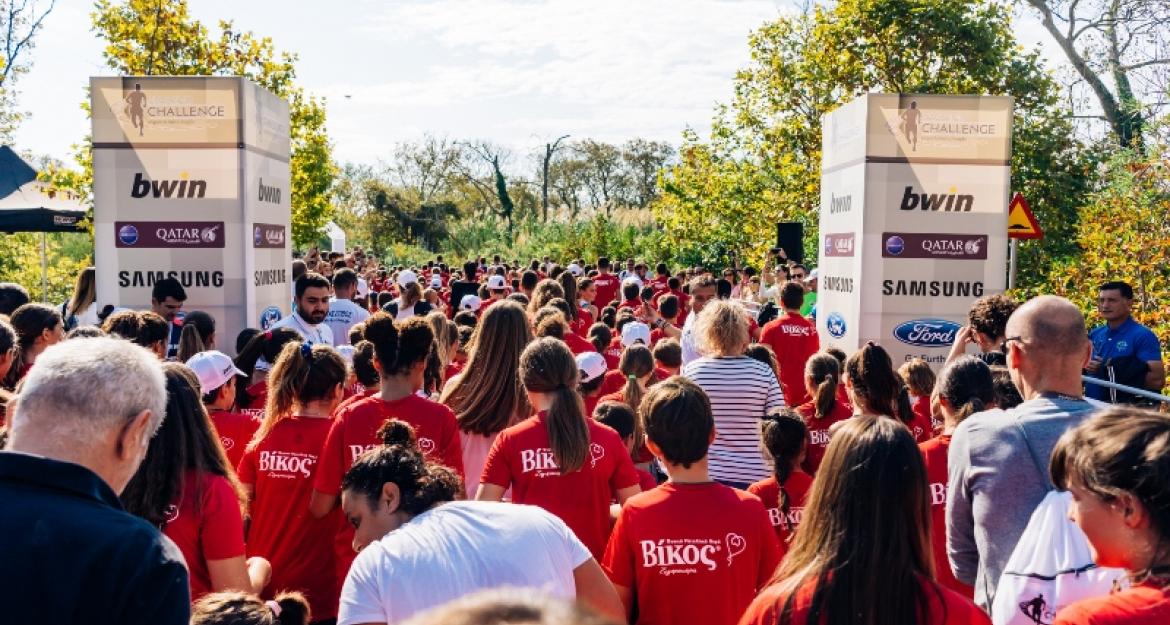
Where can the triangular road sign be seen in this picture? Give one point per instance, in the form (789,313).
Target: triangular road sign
(1022,223)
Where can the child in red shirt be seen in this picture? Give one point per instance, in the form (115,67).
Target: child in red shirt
(784,437)
(919,381)
(560,460)
(637,367)
(1117,467)
(265,347)
(400,351)
(276,473)
(621,418)
(217,382)
(691,550)
(850,564)
(822,380)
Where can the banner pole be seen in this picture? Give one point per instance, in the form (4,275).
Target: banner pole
(1013,251)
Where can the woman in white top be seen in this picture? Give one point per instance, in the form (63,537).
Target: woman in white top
(487,396)
(81,309)
(420,549)
(742,391)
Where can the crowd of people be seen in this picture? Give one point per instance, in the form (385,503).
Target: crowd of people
(562,443)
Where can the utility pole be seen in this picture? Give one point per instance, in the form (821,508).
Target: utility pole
(549,150)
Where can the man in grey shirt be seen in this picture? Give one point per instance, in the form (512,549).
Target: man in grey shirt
(998,462)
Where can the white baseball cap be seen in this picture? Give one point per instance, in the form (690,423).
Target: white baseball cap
(591,365)
(436,282)
(214,369)
(635,331)
(406,276)
(470,302)
(575,269)
(812,275)
(496,283)
(632,280)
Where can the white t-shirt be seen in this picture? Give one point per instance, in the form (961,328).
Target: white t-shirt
(459,548)
(319,334)
(343,315)
(690,351)
(404,313)
(363,288)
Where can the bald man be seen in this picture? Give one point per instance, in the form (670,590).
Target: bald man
(997,476)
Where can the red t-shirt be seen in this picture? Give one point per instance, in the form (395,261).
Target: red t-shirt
(661,374)
(354,431)
(692,553)
(280,470)
(235,431)
(797,487)
(944,607)
(582,324)
(353,399)
(613,353)
(453,369)
(607,289)
(920,406)
(934,454)
(613,382)
(794,340)
(632,304)
(578,345)
(1146,604)
(206,524)
(521,459)
(818,431)
(646,480)
(259,394)
(660,284)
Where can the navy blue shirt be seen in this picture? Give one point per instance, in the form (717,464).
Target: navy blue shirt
(70,554)
(1129,339)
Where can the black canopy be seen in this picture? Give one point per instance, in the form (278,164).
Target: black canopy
(27,205)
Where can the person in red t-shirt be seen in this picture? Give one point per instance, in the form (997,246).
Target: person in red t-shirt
(276,473)
(592,370)
(691,550)
(579,319)
(637,368)
(606,284)
(217,381)
(661,281)
(794,340)
(587,294)
(668,311)
(365,372)
(400,352)
(260,349)
(621,418)
(964,387)
(1117,467)
(876,389)
(919,381)
(785,438)
(560,460)
(822,375)
(862,554)
(186,487)
(631,300)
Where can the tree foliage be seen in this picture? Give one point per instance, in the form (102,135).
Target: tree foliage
(761,163)
(20,20)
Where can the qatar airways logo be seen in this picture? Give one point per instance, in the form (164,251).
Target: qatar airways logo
(289,463)
(790,519)
(686,556)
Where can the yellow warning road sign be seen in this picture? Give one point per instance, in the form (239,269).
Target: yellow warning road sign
(1022,223)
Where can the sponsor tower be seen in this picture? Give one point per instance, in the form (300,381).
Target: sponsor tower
(191,180)
(913,219)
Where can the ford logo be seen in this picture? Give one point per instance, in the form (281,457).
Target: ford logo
(257,236)
(895,245)
(835,324)
(269,316)
(128,234)
(927,332)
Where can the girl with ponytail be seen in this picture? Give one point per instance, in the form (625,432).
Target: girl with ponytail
(255,359)
(784,437)
(875,388)
(306,384)
(198,335)
(232,607)
(964,386)
(637,366)
(559,459)
(400,355)
(431,548)
(822,380)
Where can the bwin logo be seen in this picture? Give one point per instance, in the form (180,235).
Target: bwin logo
(269,194)
(947,202)
(183,188)
(840,204)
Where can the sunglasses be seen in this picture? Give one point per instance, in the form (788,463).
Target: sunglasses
(1003,349)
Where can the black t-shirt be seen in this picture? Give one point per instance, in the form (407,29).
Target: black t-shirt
(70,554)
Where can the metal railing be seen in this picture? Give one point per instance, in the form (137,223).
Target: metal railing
(1141,392)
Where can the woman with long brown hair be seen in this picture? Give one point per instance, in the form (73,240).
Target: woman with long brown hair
(255,359)
(875,388)
(81,309)
(862,552)
(187,488)
(487,396)
(560,459)
(37,327)
(276,472)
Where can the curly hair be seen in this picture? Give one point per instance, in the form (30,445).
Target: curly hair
(989,315)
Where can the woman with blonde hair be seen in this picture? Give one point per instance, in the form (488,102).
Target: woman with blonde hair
(487,396)
(81,309)
(546,290)
(742,391)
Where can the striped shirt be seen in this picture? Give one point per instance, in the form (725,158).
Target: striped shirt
(742,391)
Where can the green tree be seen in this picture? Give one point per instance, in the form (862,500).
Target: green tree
(761,163)
(146,37)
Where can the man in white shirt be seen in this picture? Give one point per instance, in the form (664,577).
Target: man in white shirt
(312,306)
(343,313)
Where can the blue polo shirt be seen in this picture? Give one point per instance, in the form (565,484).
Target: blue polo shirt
(1129,339)
(70,554)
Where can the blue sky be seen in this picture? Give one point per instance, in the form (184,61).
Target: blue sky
(517,72)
